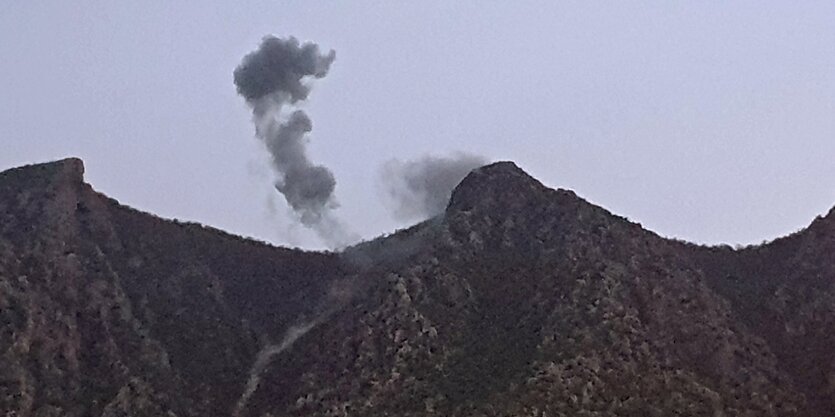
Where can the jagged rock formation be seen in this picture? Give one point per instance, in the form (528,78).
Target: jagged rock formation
(519,301)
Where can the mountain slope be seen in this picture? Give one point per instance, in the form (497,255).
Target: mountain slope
(106,308)
(519,300)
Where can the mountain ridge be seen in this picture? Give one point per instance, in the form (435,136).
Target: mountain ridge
(72,170)
(518,300)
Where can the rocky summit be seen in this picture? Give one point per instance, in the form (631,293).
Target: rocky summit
(519,300)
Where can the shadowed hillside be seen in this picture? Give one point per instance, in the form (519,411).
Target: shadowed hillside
(519,300)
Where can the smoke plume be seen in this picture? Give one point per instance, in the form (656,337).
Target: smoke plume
(421,188)
(274,80)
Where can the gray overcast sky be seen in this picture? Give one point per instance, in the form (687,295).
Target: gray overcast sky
(708,121)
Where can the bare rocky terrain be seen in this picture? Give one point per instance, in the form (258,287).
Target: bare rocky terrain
(519,300)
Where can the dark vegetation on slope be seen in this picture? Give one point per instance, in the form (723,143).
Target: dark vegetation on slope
(519,300)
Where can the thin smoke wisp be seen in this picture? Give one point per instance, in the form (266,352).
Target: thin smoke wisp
(421,188)
(265,356)
(339,294)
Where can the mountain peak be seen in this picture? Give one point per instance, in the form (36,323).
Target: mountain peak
(501,206)
(497,183)
(67,170)
(502,166)
(824,223)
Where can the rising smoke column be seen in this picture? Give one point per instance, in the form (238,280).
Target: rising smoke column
(421,188)
(273,80)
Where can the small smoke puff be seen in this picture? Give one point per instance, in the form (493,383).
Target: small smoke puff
(422,188)
(279,66)
(308,190)
(286,141)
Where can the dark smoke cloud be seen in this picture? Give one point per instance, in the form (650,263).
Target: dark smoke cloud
(421,188)
(273,80)
(308,188)
(279,66)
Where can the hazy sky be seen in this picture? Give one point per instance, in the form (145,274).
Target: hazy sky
(707,121)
